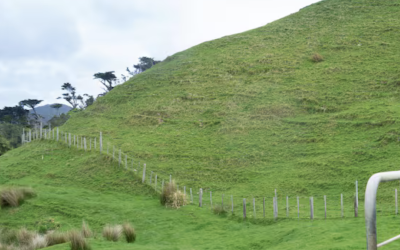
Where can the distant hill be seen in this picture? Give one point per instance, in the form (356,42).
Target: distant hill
(47,112)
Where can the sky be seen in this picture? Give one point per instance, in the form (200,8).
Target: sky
(45,43)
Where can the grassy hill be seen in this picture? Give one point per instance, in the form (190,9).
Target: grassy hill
(241,115)
(249,113)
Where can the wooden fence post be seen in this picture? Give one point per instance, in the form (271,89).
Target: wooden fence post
(211,199)
(355,207)
(101,142)
(341,203)
(244,208)
(232,202)
(170,178)
(395,200)
(162,186)
(276,203)
(200,197)
(81,142)
(144,171)
(84,143)
(264,207)
(254,207)
(274,206)
(222,202)
(311,208)
(191,195)
(74,141)
(287,206)
(155,183)
(151,176)
(325,204)
(298,207)
(184,191)
(58,137)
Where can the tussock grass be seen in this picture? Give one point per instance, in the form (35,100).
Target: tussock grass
(172,197)
(77,241)
(112,233)
(219,210)
(38,241)
(317,58)
(86,232)
(13,196)
(25,237)
(129,232)
(55,238)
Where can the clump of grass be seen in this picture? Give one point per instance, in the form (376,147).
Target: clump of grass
(25,237)
(172,197)
(56,238)
(38,241)
(8,236)
(317,58)
(77,241)
(112,233)
(129,232)
(86,232)
(219,210)
(13,196)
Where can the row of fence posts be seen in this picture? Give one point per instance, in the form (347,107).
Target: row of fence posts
(74,141)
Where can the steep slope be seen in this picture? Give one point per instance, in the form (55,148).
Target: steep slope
(249,113)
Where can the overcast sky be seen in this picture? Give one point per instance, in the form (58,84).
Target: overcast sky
(45,43)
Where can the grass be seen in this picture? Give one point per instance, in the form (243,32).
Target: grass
(129,232)
(172,197)
(78,241)
(242,115)
(13,196)
(112,233)
(55,238)
(86,232)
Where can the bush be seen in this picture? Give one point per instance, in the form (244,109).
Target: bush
(12,197)
(317,58)
(129,232)
(56,238)
(38,241)
(112,233)
(86,232)
(77,241)
(219,210)
(172,197)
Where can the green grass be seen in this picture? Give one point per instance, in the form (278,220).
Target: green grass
(242,115)
(112,197)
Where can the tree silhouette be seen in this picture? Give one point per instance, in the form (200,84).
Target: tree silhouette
(56,106)
(70,96)
(108,79)
(31,103)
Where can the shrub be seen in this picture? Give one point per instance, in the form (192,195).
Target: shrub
(172,197)
(77,241)
(12,197)
(317,58)
(55,238)
(86,232)
(112,233)
(219,210)
(129,232)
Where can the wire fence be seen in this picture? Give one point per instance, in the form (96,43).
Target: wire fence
(252,207)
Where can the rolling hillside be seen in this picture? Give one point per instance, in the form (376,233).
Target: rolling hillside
(249,113)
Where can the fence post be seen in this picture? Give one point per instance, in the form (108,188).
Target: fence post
(84,143)
(222,202)
(95,143)
(65,135)
(184,191)
(200,197)
(311,208)
(254,207)
(356,201)
(244,208)
(276,203)
(101,142)
(144,171)
(264,207)
(325,204)
(151,176)
(232,202)
(341,203)
(298,207)
(395,200)
(155,183)
(58,134)
(108,145)
(191,195)
(287,206)
(69,139)
(211,199)
(90,144)
(126,163)
(119,158)
(274,206)
(74,141)
(170,178)
(81,142)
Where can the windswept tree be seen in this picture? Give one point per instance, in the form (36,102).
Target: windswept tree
(56,106)
(89,101)
(70,95)
(108,79)
(144,64)
(31,103)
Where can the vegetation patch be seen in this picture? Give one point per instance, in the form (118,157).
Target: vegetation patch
(172,197)
(14,196)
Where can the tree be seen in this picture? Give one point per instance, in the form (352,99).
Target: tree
(108,79)
(70,96)
(14,115)
(89,101)
(145,63)
(4,145)
(31,103)
(57,106)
